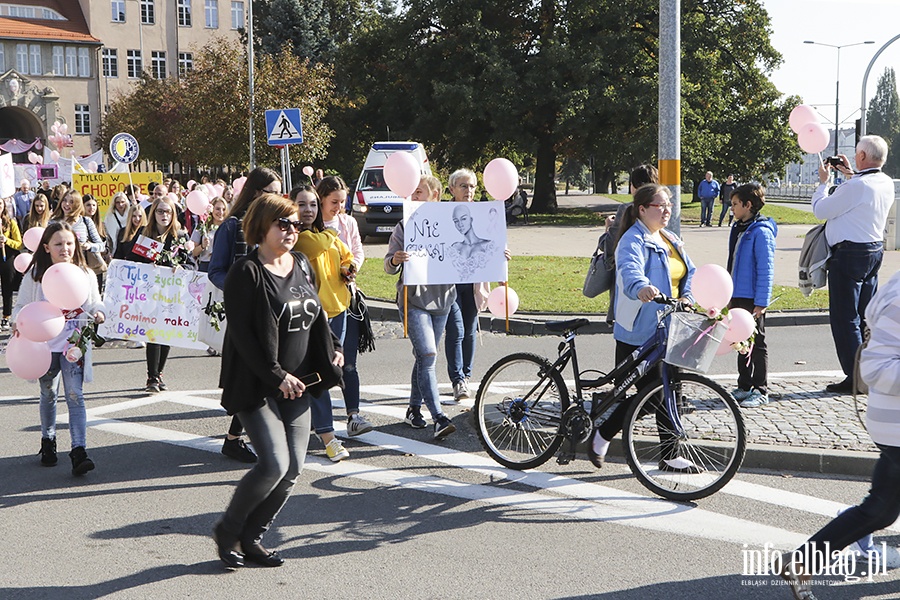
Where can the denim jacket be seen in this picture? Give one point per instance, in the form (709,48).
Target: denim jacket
(642,261)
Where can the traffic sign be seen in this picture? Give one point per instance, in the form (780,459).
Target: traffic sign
(124,148)
(283,126)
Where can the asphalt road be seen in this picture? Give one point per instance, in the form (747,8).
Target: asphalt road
(403,518)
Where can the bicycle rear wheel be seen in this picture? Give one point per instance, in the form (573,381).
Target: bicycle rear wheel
(711,436)
(518,410)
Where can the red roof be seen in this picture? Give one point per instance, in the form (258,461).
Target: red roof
(75,29)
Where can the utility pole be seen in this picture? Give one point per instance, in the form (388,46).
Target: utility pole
(670,105)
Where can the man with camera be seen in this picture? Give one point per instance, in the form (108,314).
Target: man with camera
(856,213)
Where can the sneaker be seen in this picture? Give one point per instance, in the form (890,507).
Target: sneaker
(358,425)
(461,390)
(81,464)
(739,394)
(152,386)
(796,579)
(755,399)
(443,427)
(48,452)
(335,450)
(414,417)
(238,450)
(4,324)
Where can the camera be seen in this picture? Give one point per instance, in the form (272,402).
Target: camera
(834,161)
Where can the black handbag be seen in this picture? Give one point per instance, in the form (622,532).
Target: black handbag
(360,311)
(599,279)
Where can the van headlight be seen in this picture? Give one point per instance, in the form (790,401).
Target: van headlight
(361,208)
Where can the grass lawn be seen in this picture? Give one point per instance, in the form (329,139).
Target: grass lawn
(553,284)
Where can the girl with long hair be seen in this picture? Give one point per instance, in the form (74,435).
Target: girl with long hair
(38,215)
(135,222)
(10,245)
(116,218)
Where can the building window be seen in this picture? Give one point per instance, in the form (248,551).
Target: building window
(2,58)
(110,62)
(135,64)
(237,15)
(212,14)
(82,119)
(148,12)
(22,58)
(35,53)
(185,63)
(59,61)
(118,11)
(84,62)
(158,64)
(184,13)
(71,61)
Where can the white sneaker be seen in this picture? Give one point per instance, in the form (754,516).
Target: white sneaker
(461,390)
(358,425)
(335,451)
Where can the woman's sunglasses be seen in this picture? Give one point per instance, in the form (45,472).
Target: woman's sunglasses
(284,224)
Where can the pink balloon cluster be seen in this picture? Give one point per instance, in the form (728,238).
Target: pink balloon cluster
(60,137)
(35,158)
(812,136)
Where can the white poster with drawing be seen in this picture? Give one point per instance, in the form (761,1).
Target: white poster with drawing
(454,242)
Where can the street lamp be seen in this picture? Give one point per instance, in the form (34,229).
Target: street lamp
(837,85)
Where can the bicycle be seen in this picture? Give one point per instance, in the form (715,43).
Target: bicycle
(523,414)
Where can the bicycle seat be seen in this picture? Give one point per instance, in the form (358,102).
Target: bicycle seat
(568,324)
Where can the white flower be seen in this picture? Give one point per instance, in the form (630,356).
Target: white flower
(74,354)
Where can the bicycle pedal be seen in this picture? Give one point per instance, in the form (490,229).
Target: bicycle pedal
(565,458)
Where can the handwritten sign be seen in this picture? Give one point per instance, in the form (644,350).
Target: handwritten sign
(7,176)
(154,304)
(103,186)
(454,242)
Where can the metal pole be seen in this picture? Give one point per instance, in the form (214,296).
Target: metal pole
(288,177)
(670,105)
(837,100)
(862,104)
(250,75)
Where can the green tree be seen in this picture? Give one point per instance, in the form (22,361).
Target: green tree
(883,118)
(304,26)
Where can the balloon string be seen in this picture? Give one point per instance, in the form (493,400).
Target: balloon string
(405,304)
(506,304)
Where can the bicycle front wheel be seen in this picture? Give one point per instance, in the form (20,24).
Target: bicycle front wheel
(518,410)
(707,430)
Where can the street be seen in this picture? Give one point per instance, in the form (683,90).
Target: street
(404,517)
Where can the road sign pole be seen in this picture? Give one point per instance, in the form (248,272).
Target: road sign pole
(288,183)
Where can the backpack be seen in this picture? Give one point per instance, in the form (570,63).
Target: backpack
(813,262)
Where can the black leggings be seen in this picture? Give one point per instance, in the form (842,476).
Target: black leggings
(156,359)
(8,281)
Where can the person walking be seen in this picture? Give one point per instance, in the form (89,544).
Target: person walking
(708,191)
(725,196)
(751,262)
(10,246)
(856,214)
(22,200)
(116,218)
(278,344)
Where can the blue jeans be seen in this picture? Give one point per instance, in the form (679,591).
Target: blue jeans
(322,417)
(706,210)
(279,431)
(462,329)
(425,331)
(852,281)
(73,380)
(878,510)
(351,375)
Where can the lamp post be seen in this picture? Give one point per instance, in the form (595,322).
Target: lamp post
(837,85)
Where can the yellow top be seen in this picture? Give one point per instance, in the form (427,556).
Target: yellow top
(13,235)
(328,254)
(677,268)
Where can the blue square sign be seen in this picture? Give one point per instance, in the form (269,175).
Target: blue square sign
(283,126)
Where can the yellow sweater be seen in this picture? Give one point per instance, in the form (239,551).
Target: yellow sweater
(327,254)
(12,235)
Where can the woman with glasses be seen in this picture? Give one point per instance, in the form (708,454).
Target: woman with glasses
(278,351)
(650,260)
(229,245)
(162,227)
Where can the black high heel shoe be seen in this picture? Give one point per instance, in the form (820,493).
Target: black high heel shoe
(255,553)
(227,545)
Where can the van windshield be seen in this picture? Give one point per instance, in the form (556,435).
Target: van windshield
(373,179)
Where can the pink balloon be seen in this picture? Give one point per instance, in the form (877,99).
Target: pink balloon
(711,286)
(813,137)
(27,359)
(402,173)
(238,185)
(32,238)
(189,184)
(741,327)
(308,171)
(173,197)
(802,114)
(198,202)
(92,166)
(40,321)
(22,262)
(497,302)
(55,127)
(724,348)
(39,159)
(219,189)
(54,156)
(501,178)
(63,129)
(66,286)
(32,158)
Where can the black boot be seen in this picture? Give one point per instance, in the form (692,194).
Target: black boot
(81,464)
(48,452)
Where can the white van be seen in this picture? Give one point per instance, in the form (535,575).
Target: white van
(375,207)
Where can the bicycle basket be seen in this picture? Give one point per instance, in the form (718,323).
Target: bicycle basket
(693,341)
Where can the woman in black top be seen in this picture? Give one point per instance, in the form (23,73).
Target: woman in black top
(163,227)
(278,350)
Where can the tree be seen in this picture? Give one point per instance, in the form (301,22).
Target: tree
(883,118)
(305,27)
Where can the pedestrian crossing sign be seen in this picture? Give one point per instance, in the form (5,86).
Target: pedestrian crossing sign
(283,126)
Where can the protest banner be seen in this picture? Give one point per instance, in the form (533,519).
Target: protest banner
(103,186)
(454,242)
(148,303)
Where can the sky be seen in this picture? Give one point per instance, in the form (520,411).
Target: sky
(810,71)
